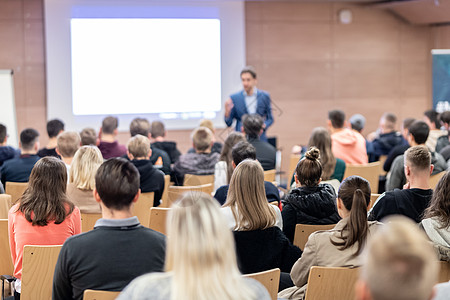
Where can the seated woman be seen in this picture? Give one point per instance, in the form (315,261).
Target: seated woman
(309,202)
(436,222)
(82,179)
(340,246)
(44,215)
(200,259)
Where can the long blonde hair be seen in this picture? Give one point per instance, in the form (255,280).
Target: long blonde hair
(84,166)
(201,252)
(247,197)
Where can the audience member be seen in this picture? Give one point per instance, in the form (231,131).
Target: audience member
(241,151)
(399,149)
(265,152)
(6,152)
(385,139)
(347,144)
(88,137)
(224,168)
(416,194)
(397,264)
(85,164)
(109,146)
(310,202)
(118,249)
(151,179)
(445,152)
(443,140)
(418,134)
(216,147)
(200,262)
(158,139)
(44,215)
(431,117)
(159,158)
(357,122)
(67,143)
(54,127)
(340,246)
(19,169)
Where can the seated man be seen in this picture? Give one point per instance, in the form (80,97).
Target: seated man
(416,195)
(216,147)
(160,159)
(19,169)
(109,146)
(399,149)
(385,139)
(346,144)
(67,144)
(119,249)
(431,117)
(151,179)
(418,134)
(54,127)
(265,152)
(241,151)
(6,152)
(88,137)
(158,140)
(398,263)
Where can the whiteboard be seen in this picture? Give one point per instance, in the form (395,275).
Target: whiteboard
(8,107)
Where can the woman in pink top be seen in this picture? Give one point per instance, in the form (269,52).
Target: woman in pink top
(44,215)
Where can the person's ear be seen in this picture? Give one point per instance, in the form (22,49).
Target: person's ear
(407,170)
(296,179)
(57,151)
(115,132)
(362,291)
(233,164)
(130,156)
(339,203)
(149,153)
(96,195)
(431,168)
(320,179)
(329,124)
(36,146)
(137,196)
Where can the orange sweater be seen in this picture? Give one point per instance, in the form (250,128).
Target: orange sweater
(22,233)
(350,146)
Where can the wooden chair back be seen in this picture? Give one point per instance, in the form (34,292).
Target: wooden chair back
(37,271)
(5,205)
(293,161)
(99,295)
(382,160)
(269,175)
(331,283)
(158,217)
(269,279)
(175,192)
(444,271)
(141,208)
(373,198)
(88,221)
(6,264)
(303,231)
(165,195)
(15,189)
(369,171)
(194,180)
(434,179)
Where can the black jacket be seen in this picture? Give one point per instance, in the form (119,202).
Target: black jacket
(309,205)
(383,145)
(170,148)
(151,179)
(265,153)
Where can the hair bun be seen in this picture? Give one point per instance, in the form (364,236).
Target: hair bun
(312,154)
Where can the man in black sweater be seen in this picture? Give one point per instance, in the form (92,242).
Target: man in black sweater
(119,249)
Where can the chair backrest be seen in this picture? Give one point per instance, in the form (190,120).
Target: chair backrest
(37,271)
(331,283)
(368,171)
(373,198)
(269,279)
(6,264)
(158,218)
(434,179)
(5,205)
(303,231)
(269,175)
(15,189)
(141,208)
(382,160)
(176,191)
(293,161)
(194,180)
(99,295)
(165,195)
(88,221)
(444,271)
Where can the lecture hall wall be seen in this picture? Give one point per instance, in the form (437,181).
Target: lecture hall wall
(306,59)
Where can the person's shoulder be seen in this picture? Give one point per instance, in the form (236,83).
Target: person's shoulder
(236,95)
(264,93)
(258,288)
(148,286)
(398,160)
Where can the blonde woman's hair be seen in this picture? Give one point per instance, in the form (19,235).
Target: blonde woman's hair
(247,197)
(139,146)
(201,252)
(84,166)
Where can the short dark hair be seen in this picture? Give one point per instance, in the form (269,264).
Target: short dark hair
(433,116)
(390,119)
(54,127)
(140,126)
(249,70)
(420,131)
(157,129)
(88,136)
(337,118)
(243,150)
(407,122)
(2,133)
(445,117)
(117,183)
(28,138)
(110,124)
(252,125)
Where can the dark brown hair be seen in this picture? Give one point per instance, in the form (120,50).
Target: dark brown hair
(225,155)
(45,197)
(440,202)
(355,195)
(139,126)
(320,138)
(157,129)
(337,118)
(249,70)
(309,168)
(110,124)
